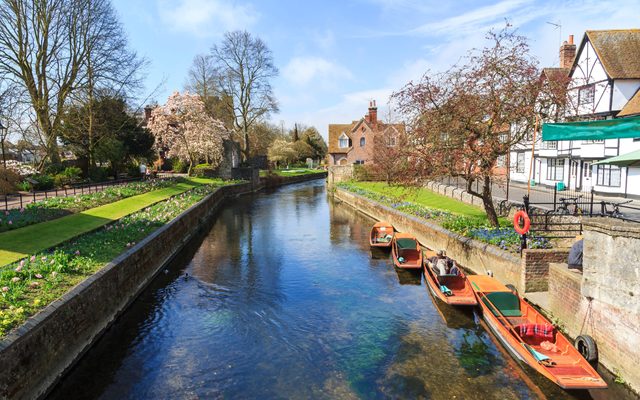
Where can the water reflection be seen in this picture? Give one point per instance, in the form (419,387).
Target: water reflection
(282,299)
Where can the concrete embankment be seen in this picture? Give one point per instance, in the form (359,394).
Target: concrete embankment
(601,302)
(35,356)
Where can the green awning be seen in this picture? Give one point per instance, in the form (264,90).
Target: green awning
(625,160)
(593,130)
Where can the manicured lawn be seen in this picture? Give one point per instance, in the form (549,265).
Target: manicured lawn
(19,243)
(423,197)
(32,283)
(290,172)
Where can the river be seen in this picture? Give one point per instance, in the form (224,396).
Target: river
(282,298)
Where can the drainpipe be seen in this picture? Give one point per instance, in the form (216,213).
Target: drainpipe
(626,180)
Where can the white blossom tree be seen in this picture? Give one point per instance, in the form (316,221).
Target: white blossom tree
(183,129)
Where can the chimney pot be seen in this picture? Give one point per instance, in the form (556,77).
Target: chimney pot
(570,39)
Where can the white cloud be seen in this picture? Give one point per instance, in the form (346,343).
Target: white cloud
(302,71)
(205,17)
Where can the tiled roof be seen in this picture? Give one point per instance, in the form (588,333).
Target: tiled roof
(632,107)
(551,73)
(335,130)
(619,51)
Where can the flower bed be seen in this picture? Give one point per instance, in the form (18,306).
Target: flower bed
(56,207)
(476,228)
(34,282)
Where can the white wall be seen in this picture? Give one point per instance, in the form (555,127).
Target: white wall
(623,91)
(633,184)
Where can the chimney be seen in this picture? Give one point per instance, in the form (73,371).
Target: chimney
(567,53)
(147,113)
(373,113)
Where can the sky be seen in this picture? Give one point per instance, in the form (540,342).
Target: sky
(336,56)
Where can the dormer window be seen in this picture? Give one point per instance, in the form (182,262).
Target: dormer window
(343,141)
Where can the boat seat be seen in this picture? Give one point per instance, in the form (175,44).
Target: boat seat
(507,303)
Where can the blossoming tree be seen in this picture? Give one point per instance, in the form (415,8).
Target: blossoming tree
(183,129)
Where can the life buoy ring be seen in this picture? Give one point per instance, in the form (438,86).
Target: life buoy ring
(516,222)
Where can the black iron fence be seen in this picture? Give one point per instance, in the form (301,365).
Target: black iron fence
(21,199)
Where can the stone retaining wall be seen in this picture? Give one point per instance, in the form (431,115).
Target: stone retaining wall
(34,356)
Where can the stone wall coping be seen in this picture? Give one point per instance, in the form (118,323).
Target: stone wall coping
(612,227)
(486,247)
(563,270)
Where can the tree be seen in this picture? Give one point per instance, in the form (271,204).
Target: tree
(55,48)
(390,158)
(312,137)
(244,66)
(184,129)
(261,135)
(282,150)
(202,80)
(467,117)
(117,136)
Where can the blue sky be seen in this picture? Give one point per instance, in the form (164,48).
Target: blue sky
(334,56)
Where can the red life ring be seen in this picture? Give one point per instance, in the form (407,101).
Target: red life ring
(516,222)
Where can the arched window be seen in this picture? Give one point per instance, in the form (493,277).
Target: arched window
(343,141)
(362,142)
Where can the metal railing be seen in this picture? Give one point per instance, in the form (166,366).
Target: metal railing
(21,199)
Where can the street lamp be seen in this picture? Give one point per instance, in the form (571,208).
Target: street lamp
(3,135)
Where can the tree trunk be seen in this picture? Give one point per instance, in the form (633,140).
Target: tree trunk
(487,201)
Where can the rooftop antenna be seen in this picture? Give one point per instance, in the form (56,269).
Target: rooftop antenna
(557,26)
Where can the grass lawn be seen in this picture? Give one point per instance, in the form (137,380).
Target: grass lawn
(290,172)
(19,243)
(424,197)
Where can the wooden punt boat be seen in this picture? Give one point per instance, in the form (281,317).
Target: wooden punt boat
(531,338)
(406,251)
(451,289)
(381,235)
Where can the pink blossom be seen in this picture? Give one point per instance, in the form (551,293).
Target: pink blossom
(21,263)
(15,279)
(32,259)
(77,252)
(19,268)
(128,244)
(22,210)
(38,276)
(5,289)
(34,284)
(10,222)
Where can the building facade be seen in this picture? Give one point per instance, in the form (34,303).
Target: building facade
(603,83)
(354,143)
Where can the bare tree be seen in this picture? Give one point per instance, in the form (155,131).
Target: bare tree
(55,48)
(464,119)
(203,80)
(244,65)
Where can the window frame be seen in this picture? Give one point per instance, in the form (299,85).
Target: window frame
(520,164)
(605,175)
(555,165)
(341,139)
(363,142)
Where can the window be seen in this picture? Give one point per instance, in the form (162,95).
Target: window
(608,175)
(362,142)
(586,95)
(500,162)
(586,170)
(555,169)
(520,163)
(343,141)
(551,145)
(391,140)
(359,162)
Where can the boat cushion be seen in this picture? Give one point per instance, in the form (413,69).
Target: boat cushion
(406,243)
(507,302)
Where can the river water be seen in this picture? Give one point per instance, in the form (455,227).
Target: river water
(283,298)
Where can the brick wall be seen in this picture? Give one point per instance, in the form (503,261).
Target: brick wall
(535,266)
(615,330)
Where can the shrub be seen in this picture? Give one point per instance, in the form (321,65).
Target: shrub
(179,166)
(98,174)
(8,181)
(42,182)
(133,171)
(203,170)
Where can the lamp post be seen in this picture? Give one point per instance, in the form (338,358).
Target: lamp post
(3,135)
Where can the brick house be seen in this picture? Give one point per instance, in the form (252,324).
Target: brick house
(354,143)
